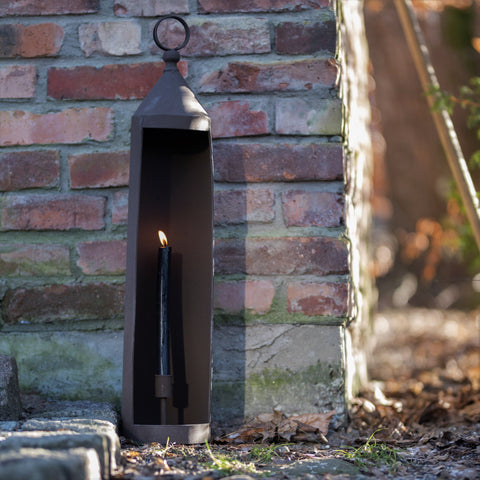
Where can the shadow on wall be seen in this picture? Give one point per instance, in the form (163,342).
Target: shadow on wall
(231,302)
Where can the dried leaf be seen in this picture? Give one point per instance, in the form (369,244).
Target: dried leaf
(471,412)
(287,429)
(432,413)
(319,421)
(274,426)
(263,418)
(246,435)
(132,456)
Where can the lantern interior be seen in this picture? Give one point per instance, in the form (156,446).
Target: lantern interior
(175,197)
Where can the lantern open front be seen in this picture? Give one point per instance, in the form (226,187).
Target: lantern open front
(171,190)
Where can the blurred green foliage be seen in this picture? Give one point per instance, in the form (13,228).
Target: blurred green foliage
(468,99)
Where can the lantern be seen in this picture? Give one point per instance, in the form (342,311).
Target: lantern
(168,297)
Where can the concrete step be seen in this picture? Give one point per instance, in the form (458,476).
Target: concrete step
(42,446)
(44,464)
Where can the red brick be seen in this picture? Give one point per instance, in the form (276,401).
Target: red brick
(110,82)
(300,38)
(42,40)
(310,208)
(110,38)
(278,256)
(48,7)
(235,119)
(18,81)
(52,212)
(232,6)
(240,206)
(253,162)
(102,257)
(34,260)
(30,169)
(73,125)
(149,8)
(240,77)
(96,170)
(254,295)
(63,303)
(212,37)
(327,299)
(120,208)
(295,116)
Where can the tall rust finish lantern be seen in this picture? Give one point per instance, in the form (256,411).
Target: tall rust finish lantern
(168,299)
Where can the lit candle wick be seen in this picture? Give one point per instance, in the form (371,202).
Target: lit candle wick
(163,239)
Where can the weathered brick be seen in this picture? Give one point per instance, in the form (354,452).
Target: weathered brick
(212,37)
(232,6)
(62,303)
(28,41)
(295,116)
(29,169)
(52,212)
(240,206)
(48,7)
(18,81)
(109,82)
(73,125)
(240,77)
(110,38)
(330,299)
(254,295)
(300,38)
(120,208)
(310,208)
(102,257)
(235,119)
(277,256)
(252,162)
(34,260)
(96,170)
(149,8)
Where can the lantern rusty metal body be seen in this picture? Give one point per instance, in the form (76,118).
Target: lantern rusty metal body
(171,189)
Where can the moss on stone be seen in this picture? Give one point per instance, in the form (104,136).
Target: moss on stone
(71,366)
(318,387)
(275,317)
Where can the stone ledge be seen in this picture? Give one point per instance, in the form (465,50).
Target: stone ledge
(82,434)
(41,464)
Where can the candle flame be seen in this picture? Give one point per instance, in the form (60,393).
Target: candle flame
(163,238)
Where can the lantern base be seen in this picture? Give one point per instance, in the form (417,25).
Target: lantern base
(186,434)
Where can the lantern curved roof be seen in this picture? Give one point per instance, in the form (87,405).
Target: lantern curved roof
(172,104)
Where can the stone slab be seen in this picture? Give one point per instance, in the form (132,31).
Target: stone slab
(242,351)
(316,467)
(60,441)
(10,404)
(40,464)
(61,364)
(79,410)
(258,368)
(102,428)
(9,426)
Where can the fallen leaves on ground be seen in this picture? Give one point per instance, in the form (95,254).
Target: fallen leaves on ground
(425,405)
(277,427)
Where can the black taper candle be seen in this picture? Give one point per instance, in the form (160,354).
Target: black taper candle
(164,254)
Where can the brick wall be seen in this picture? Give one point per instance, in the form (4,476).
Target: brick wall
(71,75)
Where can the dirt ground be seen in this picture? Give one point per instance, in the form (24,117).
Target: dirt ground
(419,418)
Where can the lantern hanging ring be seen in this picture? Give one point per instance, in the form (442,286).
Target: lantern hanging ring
(185,26)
